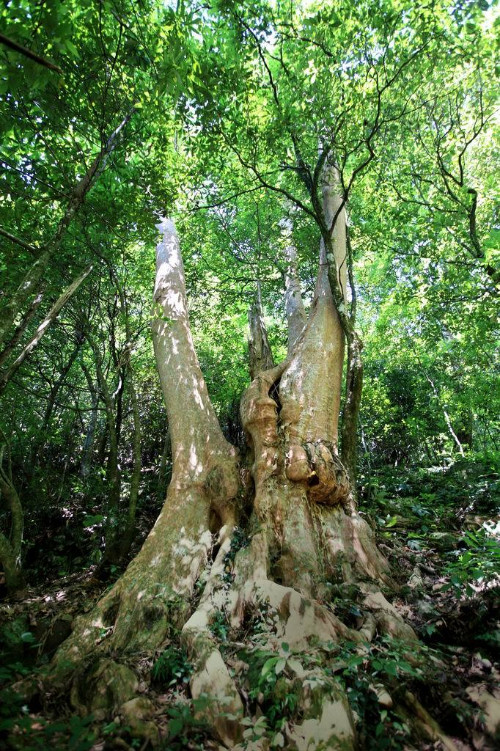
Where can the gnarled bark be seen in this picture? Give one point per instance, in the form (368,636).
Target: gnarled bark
(304,536)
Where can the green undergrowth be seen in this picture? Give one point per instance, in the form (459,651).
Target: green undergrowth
(450,511)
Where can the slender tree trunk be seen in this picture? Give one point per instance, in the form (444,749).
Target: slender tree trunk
(39,445)
(31,280)
(135,479)
(88,442)
(113,473)
(154,592)
(42,329)
(19,331)
(10,546)
(447,418)
(259,351)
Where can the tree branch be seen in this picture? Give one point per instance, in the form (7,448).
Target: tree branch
(29,54)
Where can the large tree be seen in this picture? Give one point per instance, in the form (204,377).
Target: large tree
(268,539)
(270,533)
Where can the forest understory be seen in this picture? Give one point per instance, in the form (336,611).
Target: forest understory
(425,520)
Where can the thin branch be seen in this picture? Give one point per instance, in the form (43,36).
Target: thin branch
(19,242)
(28,53)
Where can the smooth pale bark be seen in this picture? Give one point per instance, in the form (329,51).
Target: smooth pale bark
(42,328)
(350,417)
(294,306)
(166,456)
(332,201)
(259,352)
(154,591)
(334,251)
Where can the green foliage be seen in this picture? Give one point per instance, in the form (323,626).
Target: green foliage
(272,681)
(478,564)
(171,667)
(20,730)
(366,669)
(186,729)
(219,626)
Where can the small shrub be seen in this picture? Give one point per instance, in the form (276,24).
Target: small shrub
(171,667)
(479,561)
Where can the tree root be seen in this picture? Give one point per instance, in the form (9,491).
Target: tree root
(293,620)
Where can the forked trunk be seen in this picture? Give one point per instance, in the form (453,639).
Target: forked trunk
(273,581)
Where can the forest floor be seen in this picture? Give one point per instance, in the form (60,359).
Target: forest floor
(439,529)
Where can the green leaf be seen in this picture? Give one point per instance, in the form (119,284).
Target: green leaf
(280,666)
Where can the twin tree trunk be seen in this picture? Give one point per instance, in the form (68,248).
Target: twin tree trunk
(279,564)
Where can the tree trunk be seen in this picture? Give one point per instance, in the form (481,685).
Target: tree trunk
(113,472)
(33,276)
(88,442)
(294,306)
(259,352)
(154,592)
(128,535)
(166,456)
(20,329)
(42,329)
(10,546)
(39,444)
(334,252)
(274,580)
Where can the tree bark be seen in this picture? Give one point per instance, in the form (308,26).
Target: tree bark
(135,479)
(259,352)
(113,472)
(294,306)
(20,329)
(39,445)
(10,546)
(88,442)
(334,251)
(303,538)
(154,592)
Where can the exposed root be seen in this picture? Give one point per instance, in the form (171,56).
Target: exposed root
(331,724)
(386,616)
(351,547)
(422,719)
(211,676)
